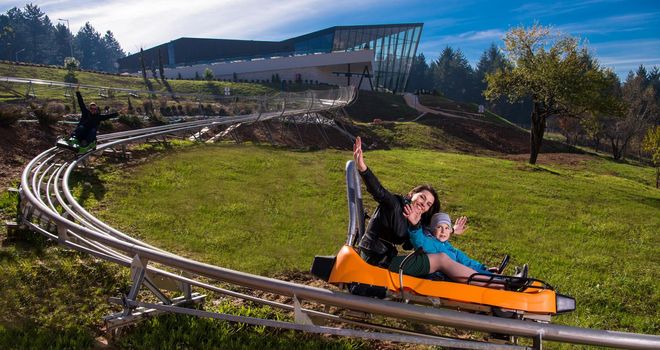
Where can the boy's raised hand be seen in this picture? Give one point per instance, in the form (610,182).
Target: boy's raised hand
(460,225)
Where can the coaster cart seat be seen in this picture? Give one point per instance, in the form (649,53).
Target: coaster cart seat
(73,144)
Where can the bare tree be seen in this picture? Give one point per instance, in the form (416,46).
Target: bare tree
(639,108)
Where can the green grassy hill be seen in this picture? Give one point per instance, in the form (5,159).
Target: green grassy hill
(13,92)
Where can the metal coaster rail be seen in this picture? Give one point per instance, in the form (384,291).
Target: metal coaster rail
(48,207)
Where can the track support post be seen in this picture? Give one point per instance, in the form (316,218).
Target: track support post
(138,270)
(62,234)
(538,342)
(299,316)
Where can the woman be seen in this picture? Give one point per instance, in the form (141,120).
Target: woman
(388,225)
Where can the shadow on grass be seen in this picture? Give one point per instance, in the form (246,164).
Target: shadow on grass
(91,186)
(202,333)
(25,242)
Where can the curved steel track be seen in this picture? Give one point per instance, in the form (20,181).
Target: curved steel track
(48,206)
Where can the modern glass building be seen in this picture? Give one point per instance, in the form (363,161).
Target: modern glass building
(393,46)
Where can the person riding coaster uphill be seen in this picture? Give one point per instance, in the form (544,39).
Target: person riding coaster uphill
(83,138)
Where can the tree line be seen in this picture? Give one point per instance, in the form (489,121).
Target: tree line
(29,35)
(452,76)
(543,78)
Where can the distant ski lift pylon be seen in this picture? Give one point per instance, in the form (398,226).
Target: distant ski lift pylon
(30,91)
(68,91)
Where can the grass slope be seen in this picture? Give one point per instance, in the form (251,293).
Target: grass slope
(378,105)
(590,230)
(443,103)
(110,80)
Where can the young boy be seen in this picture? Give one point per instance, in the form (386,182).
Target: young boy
(435,239)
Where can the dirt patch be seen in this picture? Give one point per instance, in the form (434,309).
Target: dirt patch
(22,142)
(476,136)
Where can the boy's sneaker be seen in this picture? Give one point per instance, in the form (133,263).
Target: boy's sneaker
(521,272)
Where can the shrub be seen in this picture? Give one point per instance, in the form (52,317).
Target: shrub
(43,116)
(106,125)
(72,65)
(157,119)
(162,102)
(148,107)
(191,108)
(130,105)
(208,110)
(130,120)
(208,74)
(9,115)
(56,108)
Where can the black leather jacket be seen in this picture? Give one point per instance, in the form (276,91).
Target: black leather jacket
(387,227)
(89,120)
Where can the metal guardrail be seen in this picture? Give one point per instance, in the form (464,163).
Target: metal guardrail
(48,207)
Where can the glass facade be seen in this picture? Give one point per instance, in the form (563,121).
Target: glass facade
(321,43)
(394,46)
(394,49)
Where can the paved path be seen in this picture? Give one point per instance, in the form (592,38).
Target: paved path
(412,100)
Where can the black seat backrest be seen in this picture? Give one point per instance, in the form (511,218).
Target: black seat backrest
(355,207)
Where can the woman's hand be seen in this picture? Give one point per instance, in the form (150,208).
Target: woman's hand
(412,214)
(460,225)
(357,155)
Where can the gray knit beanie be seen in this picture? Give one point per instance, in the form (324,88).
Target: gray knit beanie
(439,218)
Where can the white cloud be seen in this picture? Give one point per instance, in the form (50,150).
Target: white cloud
(546,8)
(148,23)
(471,43)
(613,24)
(469,36)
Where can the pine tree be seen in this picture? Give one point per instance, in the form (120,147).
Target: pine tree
(112,51)
(453,75)
(420,74)
(88,43)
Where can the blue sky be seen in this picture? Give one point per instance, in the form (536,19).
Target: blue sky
(621,34)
